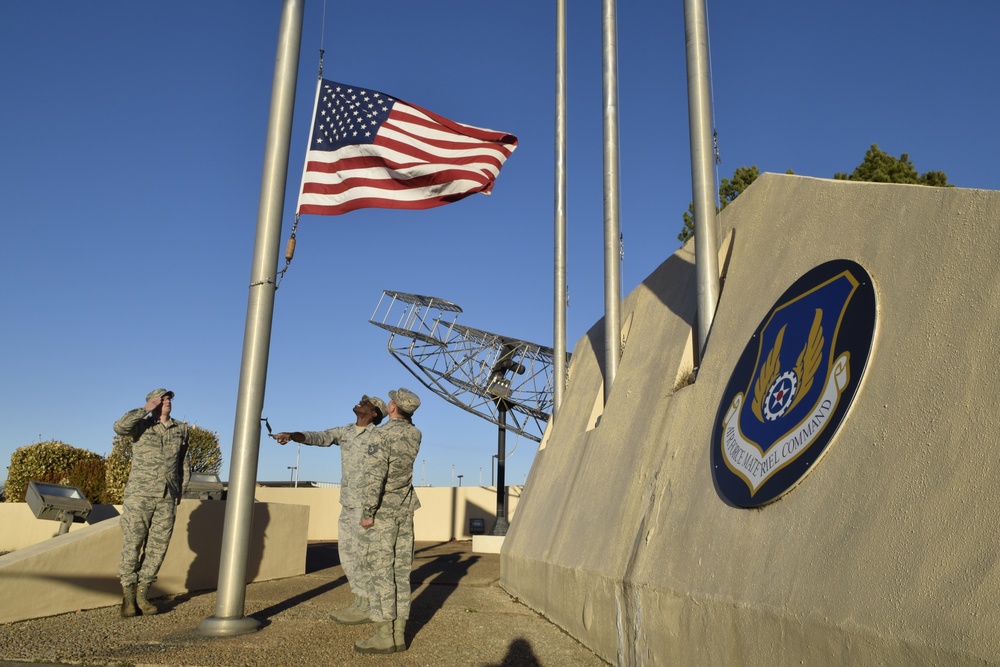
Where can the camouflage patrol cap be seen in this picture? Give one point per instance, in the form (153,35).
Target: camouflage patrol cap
(405,399)
(378,403)
(157,393)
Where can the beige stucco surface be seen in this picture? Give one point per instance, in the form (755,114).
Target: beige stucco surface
(55,574)
(443,515)
(78,570)
(19,528)
(886,553)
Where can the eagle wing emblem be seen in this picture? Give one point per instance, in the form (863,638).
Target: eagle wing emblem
(768,374)
(809,358)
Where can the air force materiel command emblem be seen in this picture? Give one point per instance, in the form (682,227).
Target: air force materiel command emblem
(793,384)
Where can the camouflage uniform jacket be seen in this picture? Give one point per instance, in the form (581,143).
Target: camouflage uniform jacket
(389,461)
(160,466)
(353,442)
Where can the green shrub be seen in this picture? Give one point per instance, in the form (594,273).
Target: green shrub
(54,462)
(206,455)
(88,476)
(116,470)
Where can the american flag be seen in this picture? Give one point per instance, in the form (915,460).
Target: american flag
(371,150)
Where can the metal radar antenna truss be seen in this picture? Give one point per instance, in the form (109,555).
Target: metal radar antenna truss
(504,380)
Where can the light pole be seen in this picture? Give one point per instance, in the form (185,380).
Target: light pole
(460,479)
(298,453)
(422,464)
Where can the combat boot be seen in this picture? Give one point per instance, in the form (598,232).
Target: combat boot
(380,642)
(128,601)
(147,607)
(362,613)
(355,603)
(399,634)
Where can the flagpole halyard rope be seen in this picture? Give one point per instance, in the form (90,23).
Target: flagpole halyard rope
(715,127)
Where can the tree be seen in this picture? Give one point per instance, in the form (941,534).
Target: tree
(877,167)
(729,190)
(204,454)
(880,167)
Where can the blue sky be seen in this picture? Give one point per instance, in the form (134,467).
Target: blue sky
(130,170)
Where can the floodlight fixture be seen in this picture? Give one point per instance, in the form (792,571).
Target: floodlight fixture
(58,502)
(205,486)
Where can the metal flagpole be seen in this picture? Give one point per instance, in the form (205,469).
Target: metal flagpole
(559,324)
(706,224)
(229,616)
(612,257)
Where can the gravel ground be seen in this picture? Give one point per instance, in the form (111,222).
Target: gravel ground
(460,616)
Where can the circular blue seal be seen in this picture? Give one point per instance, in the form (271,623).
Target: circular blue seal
(793,384)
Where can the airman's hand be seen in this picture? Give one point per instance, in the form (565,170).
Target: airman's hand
(367,523)
(283,438)
(153,403)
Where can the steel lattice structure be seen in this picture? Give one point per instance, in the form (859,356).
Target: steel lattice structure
(481,372)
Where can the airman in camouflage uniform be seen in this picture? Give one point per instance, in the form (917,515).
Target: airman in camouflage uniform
(388,504)
(160,473)
(353,440)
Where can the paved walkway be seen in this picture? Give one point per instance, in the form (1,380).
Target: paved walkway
(460,616)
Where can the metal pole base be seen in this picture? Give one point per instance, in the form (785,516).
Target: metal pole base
(228,627)
(500,527)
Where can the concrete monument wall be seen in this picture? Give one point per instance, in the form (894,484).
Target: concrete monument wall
(887,552)
(79,570)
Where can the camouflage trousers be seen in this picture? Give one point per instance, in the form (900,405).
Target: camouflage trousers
(147,524)
(349,533)
(388,552)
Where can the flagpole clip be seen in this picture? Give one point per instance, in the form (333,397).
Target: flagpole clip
(289,251)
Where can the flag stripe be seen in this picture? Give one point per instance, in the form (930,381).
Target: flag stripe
(429,147)
(458,128)
(360,197)
(376,179)
(382,163)
(363,188)
(368,149)
(375,168)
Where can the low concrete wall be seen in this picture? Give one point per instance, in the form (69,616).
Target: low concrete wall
(19,528)
(54,574)
(443,515)
(887,553)
(78,570)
